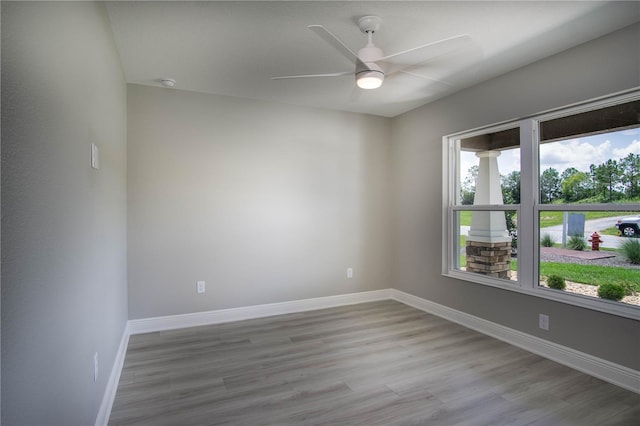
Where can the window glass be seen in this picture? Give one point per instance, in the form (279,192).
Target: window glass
(499,154)
(489,166)
(602,168)
(497,258)
(591,159)
(586,249)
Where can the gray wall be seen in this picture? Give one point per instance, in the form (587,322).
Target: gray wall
(603,66)
(64,252)
(265,202)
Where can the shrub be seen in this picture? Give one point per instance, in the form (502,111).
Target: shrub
(576,242)
(556,282)
(611,291)
(631,250)
(547,241)
(629,289)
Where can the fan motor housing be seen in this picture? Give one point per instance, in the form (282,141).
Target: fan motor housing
(373,67)
(370,54)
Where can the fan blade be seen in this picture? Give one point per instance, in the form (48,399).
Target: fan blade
(453,61)
(334,41)
(430,50)
(335,74)
(391,69)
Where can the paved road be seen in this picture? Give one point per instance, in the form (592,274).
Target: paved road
(590,226)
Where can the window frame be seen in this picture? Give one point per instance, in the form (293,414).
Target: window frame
(528,210)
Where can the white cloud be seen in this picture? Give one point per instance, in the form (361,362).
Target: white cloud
(633,148)
(467,160)
(509,161)
(573,153)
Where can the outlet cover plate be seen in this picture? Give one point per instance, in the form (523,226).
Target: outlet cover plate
(543,322)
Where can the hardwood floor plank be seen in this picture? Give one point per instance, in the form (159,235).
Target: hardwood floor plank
(379,363)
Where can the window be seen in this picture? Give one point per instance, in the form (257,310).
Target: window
(486,202)
(580,169)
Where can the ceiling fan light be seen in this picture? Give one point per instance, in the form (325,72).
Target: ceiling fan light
(370,79)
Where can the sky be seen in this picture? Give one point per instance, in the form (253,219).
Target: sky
(582,152)
(579,153)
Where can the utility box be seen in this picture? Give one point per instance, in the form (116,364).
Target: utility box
(576,225)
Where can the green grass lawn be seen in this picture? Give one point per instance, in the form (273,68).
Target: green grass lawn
(465,218)
(610,231)
(592,274)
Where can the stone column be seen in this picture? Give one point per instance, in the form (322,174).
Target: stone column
(488,242)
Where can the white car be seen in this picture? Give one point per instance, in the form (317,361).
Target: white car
(629,226)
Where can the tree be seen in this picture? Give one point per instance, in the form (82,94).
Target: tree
(511,195)
(468,190)
(576,186)
(549,185)
(568,172)
(606,178)
(511,188)
(630,166)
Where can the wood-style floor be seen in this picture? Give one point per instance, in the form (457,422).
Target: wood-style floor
(380,363)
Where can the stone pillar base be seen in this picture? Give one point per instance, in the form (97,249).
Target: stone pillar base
(492,259)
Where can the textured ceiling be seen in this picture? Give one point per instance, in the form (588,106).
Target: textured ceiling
(235,48)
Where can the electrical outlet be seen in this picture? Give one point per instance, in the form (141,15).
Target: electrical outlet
(95,367)
(201,287)
(543,322)
(349,272)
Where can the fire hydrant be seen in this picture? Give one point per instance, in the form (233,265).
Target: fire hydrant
(595,241)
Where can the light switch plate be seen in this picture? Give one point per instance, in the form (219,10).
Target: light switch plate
(95,156)
(95,367)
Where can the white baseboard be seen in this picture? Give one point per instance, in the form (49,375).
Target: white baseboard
(114,378)
(171,322)
(616,374)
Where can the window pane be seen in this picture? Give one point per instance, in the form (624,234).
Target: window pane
(478,250)
(489,169)
(602,168)
(568,250)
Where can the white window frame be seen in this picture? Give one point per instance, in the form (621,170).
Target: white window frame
(528,210)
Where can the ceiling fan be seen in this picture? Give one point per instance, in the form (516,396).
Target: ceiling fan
(371,64)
